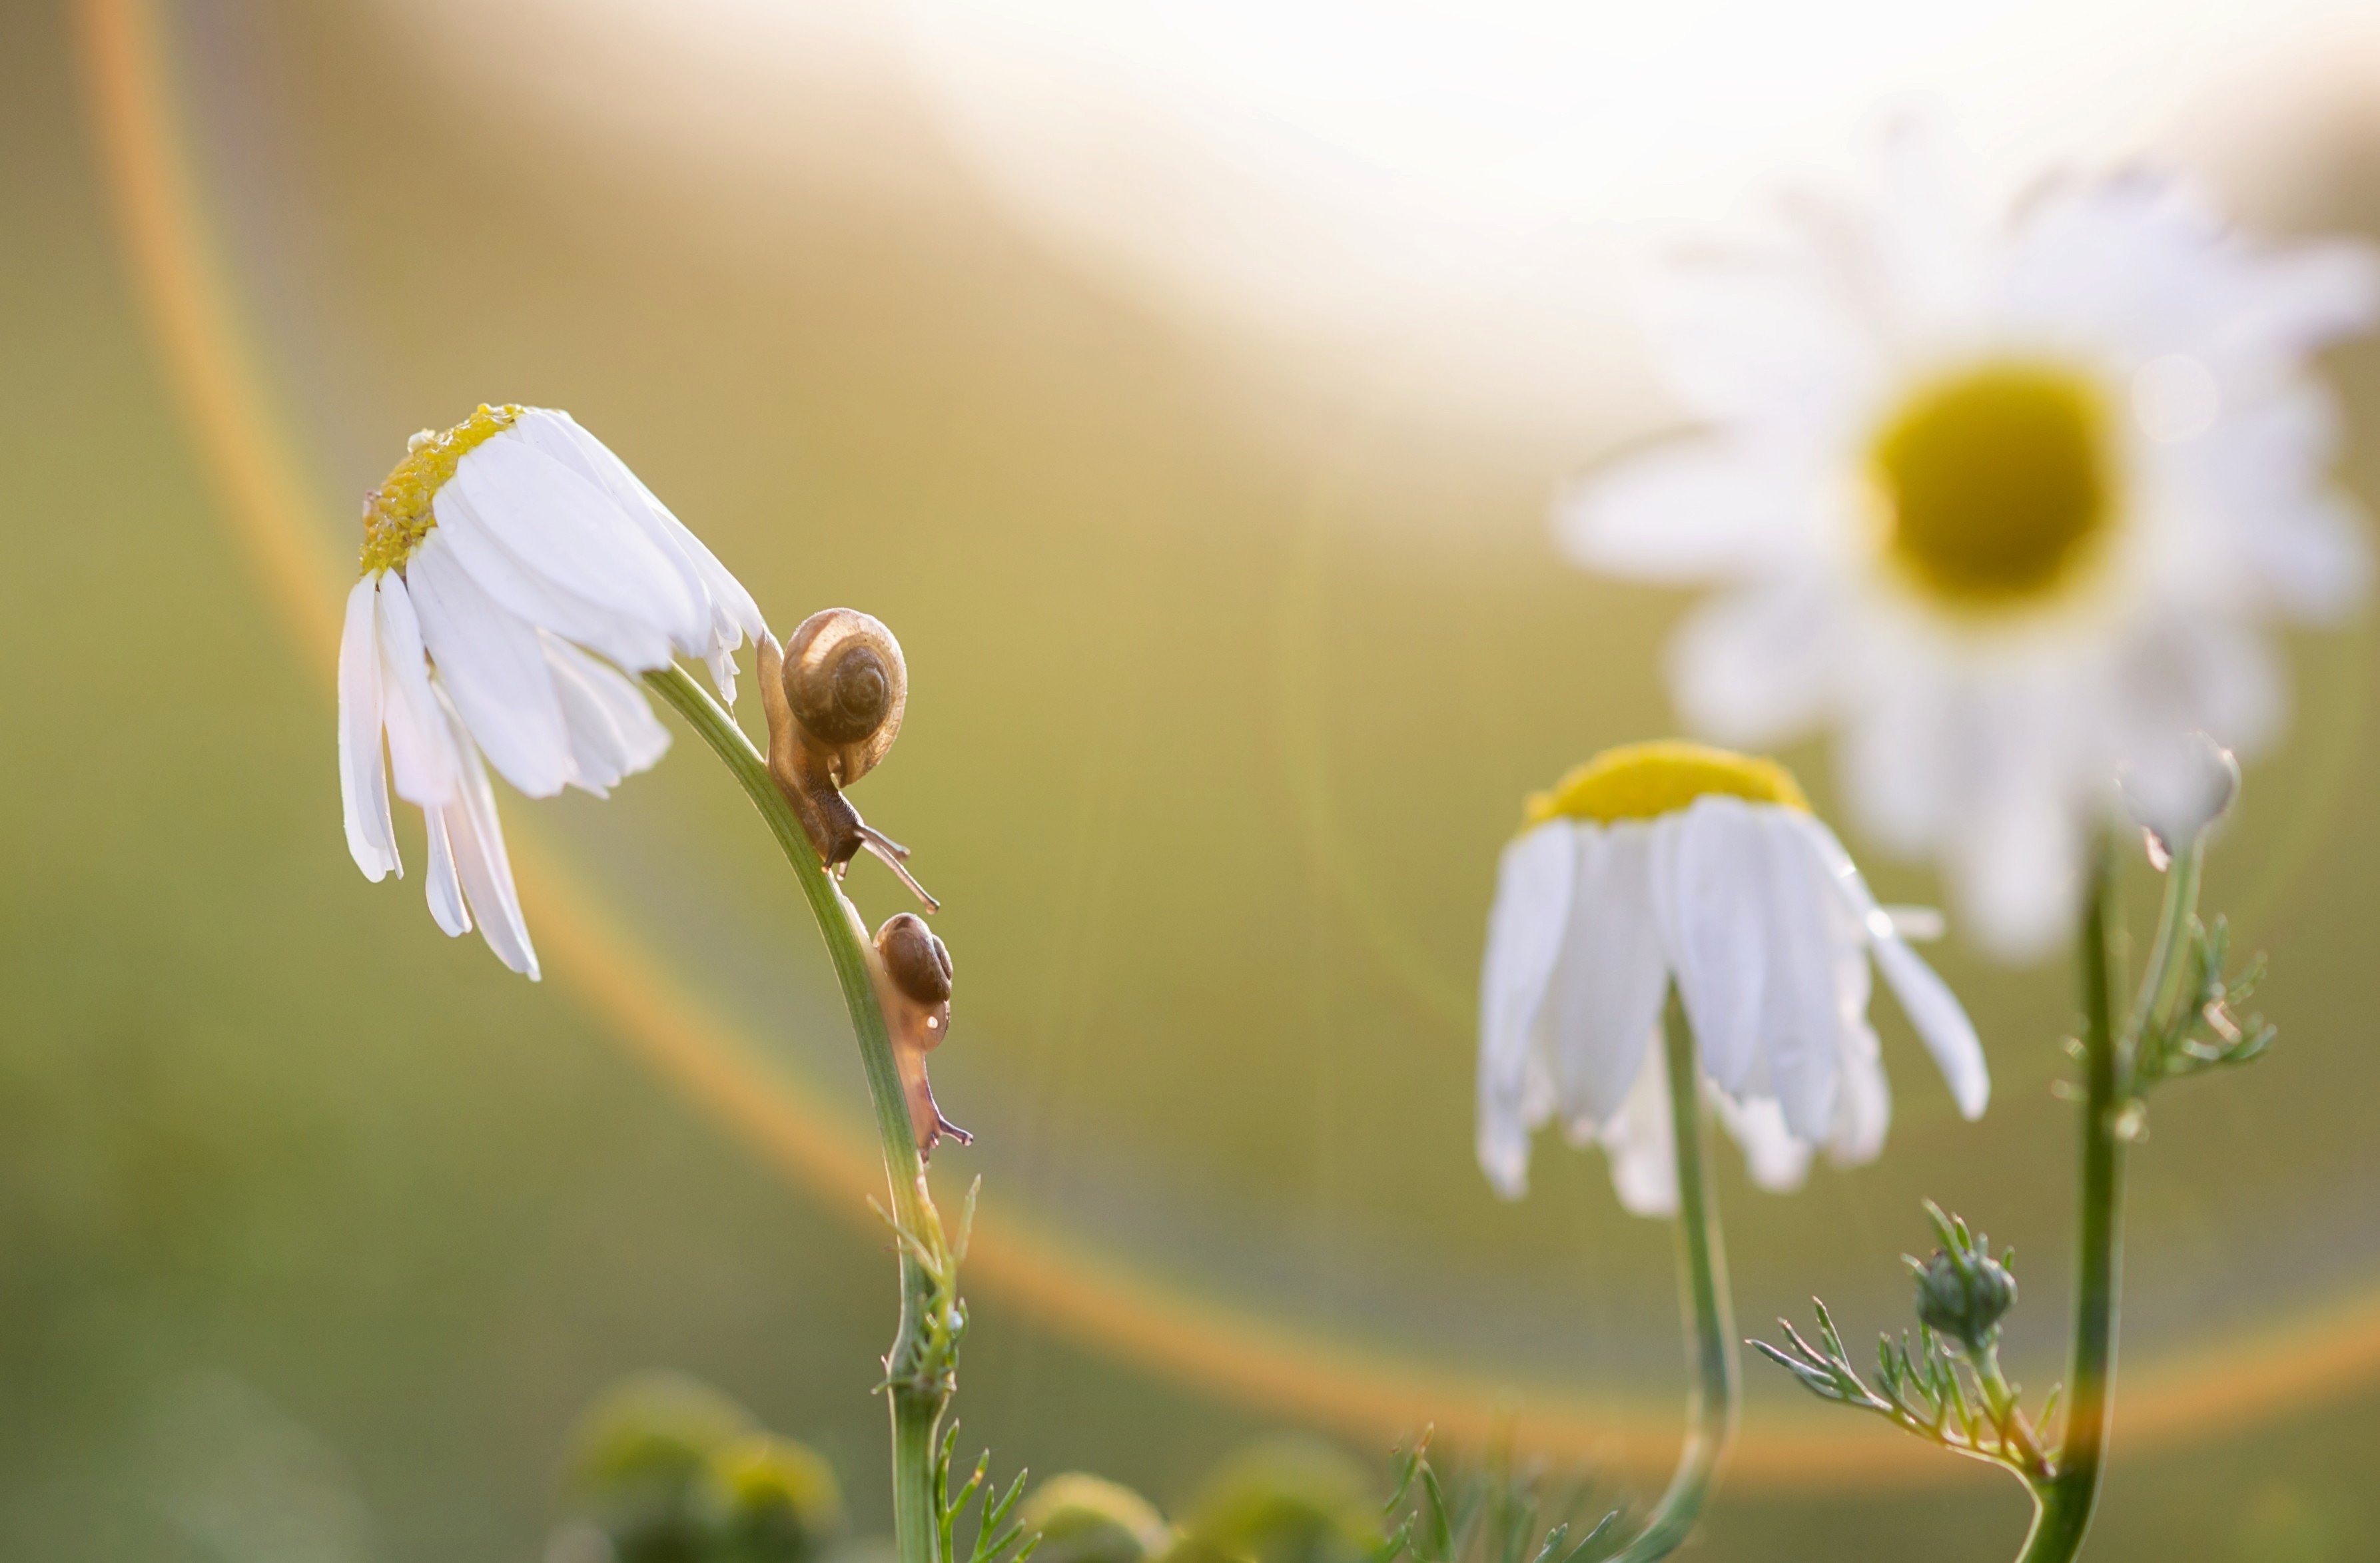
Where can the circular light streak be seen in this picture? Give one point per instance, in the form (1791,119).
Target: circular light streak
(1202,1344)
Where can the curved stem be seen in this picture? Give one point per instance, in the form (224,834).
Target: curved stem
(1713,1378)
(2065,1504)
(918,1400)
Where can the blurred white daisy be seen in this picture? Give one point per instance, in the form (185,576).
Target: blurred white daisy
(1670,861)
(2003,494)
(512,567)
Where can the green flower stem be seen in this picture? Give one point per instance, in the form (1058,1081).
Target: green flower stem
(918,1399)
(2064,1505)
(1715,1387)
(2161,983)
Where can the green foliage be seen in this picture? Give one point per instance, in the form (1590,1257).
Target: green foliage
(1947,1388)
(1493,1515)
(2199,1031)
(997,1537)
(925,1360)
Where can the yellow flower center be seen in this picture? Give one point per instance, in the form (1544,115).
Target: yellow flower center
(1996,484)
(1642,781)
(397,514)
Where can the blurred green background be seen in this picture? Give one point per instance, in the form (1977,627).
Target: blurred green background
(318,1232)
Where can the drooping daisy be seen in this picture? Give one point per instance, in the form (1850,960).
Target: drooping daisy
(2003,495)
(512,567)
(1668,862)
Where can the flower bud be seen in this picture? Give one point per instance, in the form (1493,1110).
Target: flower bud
(772,1500)
(2177,789)
(1287,1499)
(1963,1296)
(1083,1519)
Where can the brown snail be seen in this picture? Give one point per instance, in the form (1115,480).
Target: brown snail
(915,995)
(834,697)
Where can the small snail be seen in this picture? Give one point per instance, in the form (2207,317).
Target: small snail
(916,993)
(835,697)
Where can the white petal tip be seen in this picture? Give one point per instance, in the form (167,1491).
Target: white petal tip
(1507,1174)
(1650,1207)
(1919,925)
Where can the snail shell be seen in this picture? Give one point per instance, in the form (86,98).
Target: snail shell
(847,685)
(915,959)
(915,994)
(835,696)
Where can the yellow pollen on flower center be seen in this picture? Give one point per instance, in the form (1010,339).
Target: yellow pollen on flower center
(1996,484)
(1642,780)
(398,514)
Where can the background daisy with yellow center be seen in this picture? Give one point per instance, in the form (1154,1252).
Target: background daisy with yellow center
(2005,494)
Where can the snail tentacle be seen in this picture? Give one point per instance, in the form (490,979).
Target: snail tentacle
(896,857)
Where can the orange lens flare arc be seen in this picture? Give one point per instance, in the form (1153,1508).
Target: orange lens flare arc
(1211,1348)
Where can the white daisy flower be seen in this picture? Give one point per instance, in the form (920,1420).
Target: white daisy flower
(1661,863)
(512,567)
(2003,495)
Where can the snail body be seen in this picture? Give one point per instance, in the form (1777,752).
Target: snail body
(834,697)
(914,988)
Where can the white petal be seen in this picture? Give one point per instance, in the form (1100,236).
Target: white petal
(1897,754)
(1610,980)
(1756,666)
(494,665)
(1767,336)
(1685,511)
(2312,294)
(481,863)
(722,663)
(1863,1097)
(614,733)
(363,774)
(1777,1161)
(2017,862)
(2267,468)
(446,889)
(1801,1012)
(1864,1106)
(733,613)
(525,589)
(1931,230)
(1640,1140)
(1534,882)
(1933,1011)
(555,433)
(419,751)
(2137,259)
(2145,261)
(1708,873)
(572,532)
(1940,1022)
(2218,676)
(1918,925)
(2315,556)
